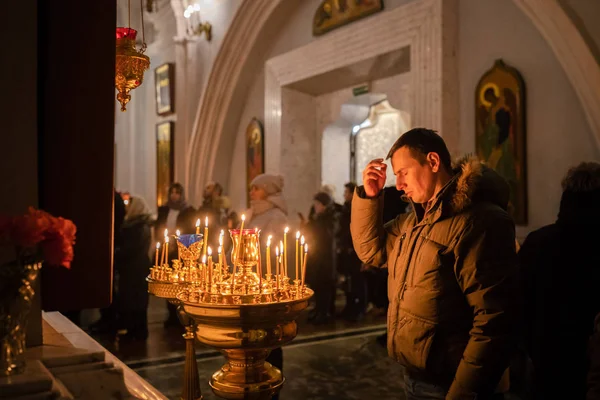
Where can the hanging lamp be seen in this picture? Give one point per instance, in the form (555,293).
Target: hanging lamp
(130,62)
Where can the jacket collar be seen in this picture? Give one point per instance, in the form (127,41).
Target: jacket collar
(471,183)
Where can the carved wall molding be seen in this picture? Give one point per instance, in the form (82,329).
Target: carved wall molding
(571,51)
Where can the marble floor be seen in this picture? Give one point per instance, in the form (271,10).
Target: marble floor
(348,367)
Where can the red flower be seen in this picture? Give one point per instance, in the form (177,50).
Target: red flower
(58,251)
(58,246)
(55,236)
(29,229)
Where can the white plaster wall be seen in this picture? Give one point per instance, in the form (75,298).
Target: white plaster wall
(558,135)
(297,32)
(135,129)
(328,106)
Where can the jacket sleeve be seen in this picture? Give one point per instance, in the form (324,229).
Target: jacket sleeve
(371,238)
(486,270)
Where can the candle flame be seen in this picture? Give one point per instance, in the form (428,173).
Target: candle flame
(302,240)
(166,239)
(222,232)
(219,250)
(206,221)
(243,217)
(209,250)
(281,245)
(286,230)
(277,251)
(297,235)
(166,232)
(197,222)
(269,241)
(177,232)
(157,245)
(204,259)
(221,239)
(306,248)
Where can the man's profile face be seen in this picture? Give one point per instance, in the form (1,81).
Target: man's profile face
(415,179)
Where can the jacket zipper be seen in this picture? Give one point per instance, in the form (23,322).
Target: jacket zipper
(399,251)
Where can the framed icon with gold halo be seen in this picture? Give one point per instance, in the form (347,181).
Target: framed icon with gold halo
(164,161)
(255,151)
(500,131)
(332,14)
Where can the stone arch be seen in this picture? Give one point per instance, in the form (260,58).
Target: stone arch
(254,17)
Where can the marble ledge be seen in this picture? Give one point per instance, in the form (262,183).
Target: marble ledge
(72,365)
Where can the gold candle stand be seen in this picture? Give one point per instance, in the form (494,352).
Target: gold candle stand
(246,316)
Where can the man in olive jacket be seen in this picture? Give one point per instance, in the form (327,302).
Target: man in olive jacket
(452,268)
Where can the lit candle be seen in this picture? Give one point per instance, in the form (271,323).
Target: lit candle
(177,234)
(220,251)
(284,252)
(237,252)
(269,255)
(157,247)
(210,268)
(277,266)
(204,269)
(282,255)
(304,263)
(301,248)
(167,250)
(198,226)
(205,234)
(297,266)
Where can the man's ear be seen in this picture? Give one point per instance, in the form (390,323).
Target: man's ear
(433,159)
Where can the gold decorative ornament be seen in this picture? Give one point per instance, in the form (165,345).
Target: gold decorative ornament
(245,311)
(194,25)
(166,282)
(246,314)
(130,62)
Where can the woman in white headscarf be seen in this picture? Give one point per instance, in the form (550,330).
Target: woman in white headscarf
(268,209)
(133,263)
(268,212)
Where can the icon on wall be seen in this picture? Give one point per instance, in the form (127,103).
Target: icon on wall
(500,131)
(255,154)
(164,77)
(332,14)
(164,161)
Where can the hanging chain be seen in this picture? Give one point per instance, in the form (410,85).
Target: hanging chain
(143,33)
(129,13)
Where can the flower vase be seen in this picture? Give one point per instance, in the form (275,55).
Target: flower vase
(16,296)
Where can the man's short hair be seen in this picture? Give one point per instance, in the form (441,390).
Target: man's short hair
(422,141)
(584,177)
(350,186)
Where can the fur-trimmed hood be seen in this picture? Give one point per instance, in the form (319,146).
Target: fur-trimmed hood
(476,182)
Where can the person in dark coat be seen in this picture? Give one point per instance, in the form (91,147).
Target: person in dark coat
(349,264)
(176,214)
(320,269)
(560,264)
(133,262)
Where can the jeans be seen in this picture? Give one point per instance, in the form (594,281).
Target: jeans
(420,390)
